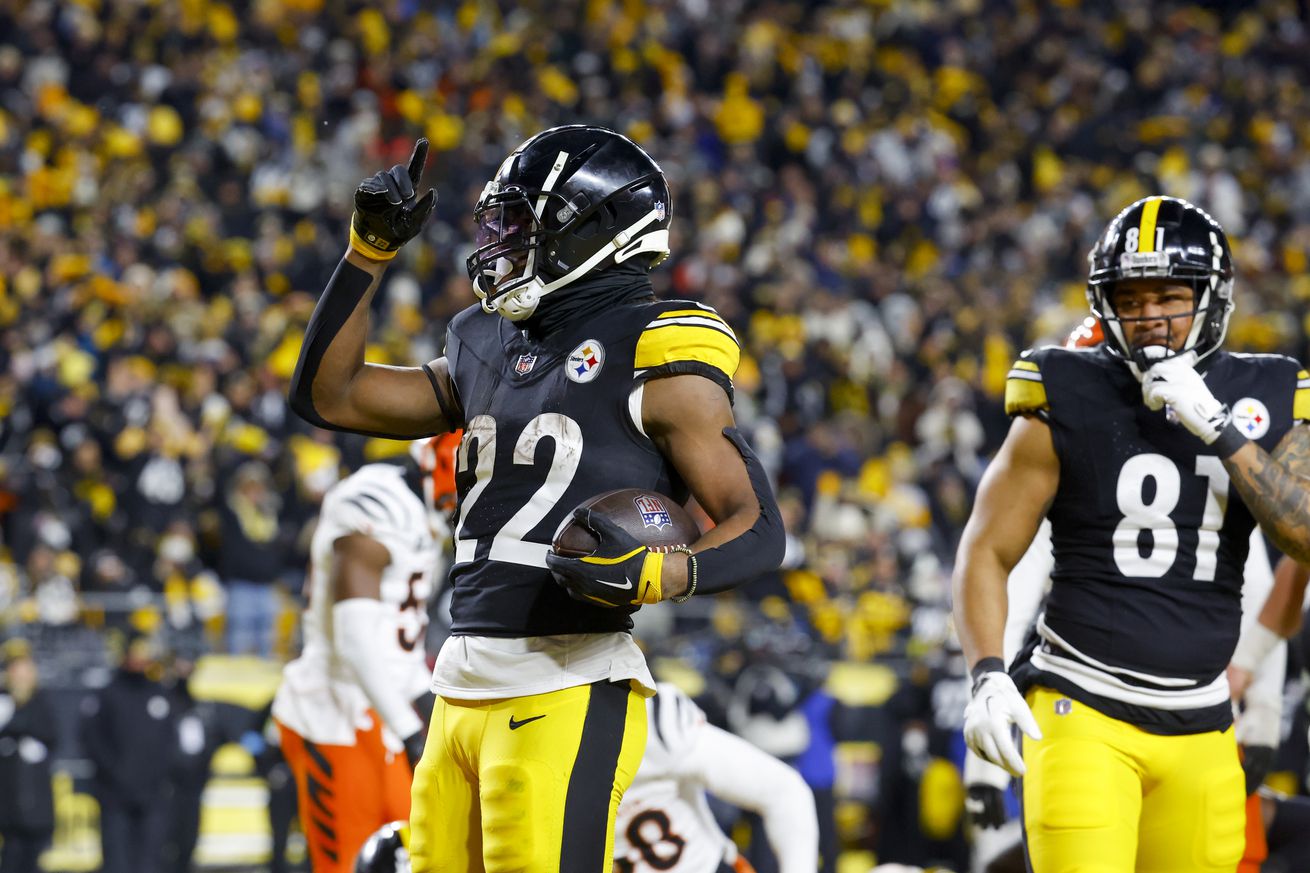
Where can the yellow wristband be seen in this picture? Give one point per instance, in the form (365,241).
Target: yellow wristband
(367,249)
(652,571)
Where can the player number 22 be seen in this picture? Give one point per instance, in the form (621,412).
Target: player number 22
(1139,514)
(508,543)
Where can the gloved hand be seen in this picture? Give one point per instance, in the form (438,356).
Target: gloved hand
(387,213)
(985,783)
(996,705)
(1256,763)
(414,748)
(1175,383)
(621,572)
(985,806)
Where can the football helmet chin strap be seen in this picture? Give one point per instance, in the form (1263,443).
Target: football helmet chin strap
(522,302)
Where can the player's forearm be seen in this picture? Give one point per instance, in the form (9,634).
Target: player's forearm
(677,574)
(737,772)
(358,624)
(332,354)
(981,604)
(1281,612)
(1277,496)
(792,827)
(748,541)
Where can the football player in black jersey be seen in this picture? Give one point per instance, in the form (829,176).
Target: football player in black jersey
(569,379)
(1153,456)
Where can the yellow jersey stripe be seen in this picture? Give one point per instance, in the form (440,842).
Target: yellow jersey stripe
(712,323)
(1301,405)
(1146,231)
(1024,395)
(706,313)
(1026,365)
(674,343)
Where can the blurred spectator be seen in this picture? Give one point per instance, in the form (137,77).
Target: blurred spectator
(130,731)
(250,558)
(886,200)
(202,726)
(263,741)
(27,740)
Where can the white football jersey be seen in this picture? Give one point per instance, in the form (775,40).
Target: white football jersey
(665,823)
(319,698)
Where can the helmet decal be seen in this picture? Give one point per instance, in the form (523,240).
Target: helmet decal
(1164,238)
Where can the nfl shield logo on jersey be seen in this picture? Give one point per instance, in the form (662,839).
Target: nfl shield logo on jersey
(585,361)
(653,513)
(525,364)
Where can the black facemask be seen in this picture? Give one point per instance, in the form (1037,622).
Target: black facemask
(620,284)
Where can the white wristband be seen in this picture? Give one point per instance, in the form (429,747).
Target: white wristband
(357,625)
(1256,642)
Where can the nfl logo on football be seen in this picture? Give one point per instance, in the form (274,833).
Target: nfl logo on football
(653,513)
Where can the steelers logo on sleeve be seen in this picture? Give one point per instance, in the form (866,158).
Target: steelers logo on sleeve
(1251,418)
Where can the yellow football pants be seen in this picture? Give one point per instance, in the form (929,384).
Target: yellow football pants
(1103,796)
(527,783)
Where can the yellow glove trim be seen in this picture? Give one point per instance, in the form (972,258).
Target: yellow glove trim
(367,249)
(592,559)
(651,588)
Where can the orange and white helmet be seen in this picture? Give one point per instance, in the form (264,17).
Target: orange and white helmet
(1086,335)
(435,457)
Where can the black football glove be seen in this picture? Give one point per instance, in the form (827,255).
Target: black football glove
(387,214)
(985,806)
(620,572)
(414,748)
(1256,763)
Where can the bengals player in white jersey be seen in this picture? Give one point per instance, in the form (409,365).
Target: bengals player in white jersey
(664,822)
(350,730)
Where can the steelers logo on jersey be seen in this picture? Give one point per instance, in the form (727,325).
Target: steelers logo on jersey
(1251,417)
(585,361)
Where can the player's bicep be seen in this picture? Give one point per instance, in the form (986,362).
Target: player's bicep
(685,416)
(1014,495)
(402,402)
(358,562)
(1293,450)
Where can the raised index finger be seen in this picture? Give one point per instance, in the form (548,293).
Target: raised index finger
(418,159)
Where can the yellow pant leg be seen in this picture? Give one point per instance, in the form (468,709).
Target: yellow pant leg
(553,769)
(1194,808)
(1082,793)
(526,784)
(445,819)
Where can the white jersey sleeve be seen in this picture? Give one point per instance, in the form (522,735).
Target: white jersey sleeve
(664,822)
(1260,723)
(1029,582)
(734,770)
(319,697)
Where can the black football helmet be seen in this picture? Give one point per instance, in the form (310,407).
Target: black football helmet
(386,851)
(1164,238)
(570,201)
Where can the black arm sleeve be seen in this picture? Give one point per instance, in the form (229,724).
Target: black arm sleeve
(753,553)
(449,408)
(343,292)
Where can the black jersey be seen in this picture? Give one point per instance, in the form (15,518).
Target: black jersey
(1148,535)
(549,424)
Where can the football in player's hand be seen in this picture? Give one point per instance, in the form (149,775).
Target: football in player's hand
(648,516)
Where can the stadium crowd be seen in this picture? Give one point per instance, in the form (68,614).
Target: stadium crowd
(887,200)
